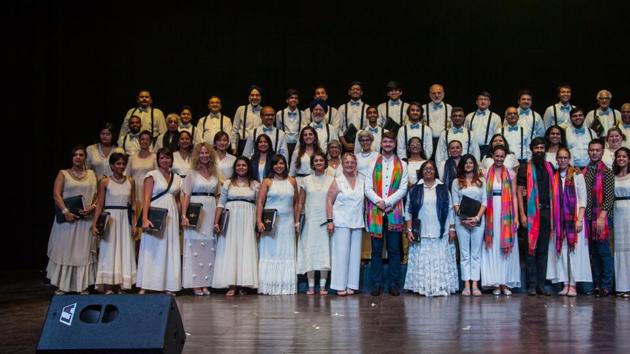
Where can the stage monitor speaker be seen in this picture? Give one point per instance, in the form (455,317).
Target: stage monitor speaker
(112,324)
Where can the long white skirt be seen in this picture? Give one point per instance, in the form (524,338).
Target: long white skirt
(117,253)
(430,269)
(557,270)
(198,261)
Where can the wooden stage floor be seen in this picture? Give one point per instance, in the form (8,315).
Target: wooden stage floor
(361,323)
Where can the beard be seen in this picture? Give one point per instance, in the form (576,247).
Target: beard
(538,158)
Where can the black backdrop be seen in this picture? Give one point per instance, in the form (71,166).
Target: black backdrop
(74,66)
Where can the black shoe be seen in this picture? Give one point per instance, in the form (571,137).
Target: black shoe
(376,291)
(588,293)
(394,292)
(603,292)
(542,291)
(531,292)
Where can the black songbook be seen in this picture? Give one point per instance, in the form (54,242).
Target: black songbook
(416,228)
(391,125)
(223,223)
(469,208)
(597,126)
(102,222)
(192,213)
(74,205)
(156,216)
(269,218)
(351,133)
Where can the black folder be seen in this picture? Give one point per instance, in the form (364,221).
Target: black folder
(416,228)
(269,218)
(156,216)
(597,126)
(102,222)
(350,134)
(225,219)
(73,204)
(192,213)
(469,208)
(391,125)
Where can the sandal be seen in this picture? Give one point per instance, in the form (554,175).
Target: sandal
(198,292)
(466,292)
(59,292)
(310,291)
(142,292)
(231,292)
(341,293)
(323,291)
(242,292)
(172,293)
(476,292)
(349,291)
(109,292)
(206,291)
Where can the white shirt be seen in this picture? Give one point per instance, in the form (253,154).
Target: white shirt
(291,122)
(561,115)
(386,180)
(462,134)
(437,116)
(252,121)
(159,123)
(130,143)
(428,212)
(279,147)
(419,130)
(376,132)
(210,125)
(355,110)
(479,124)
(577,143)
(532,121)
(325,135)
(609,118)
(365,161)
(396,110)
(191,129)
(331,117)
(518,140)
(348,206)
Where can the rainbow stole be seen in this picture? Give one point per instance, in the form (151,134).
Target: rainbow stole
(508,226)
(533,212)
(374,215)
(564,209)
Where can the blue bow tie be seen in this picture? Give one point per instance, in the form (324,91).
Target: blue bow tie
(394,103)
(355,103)
(605,113)
(415,126)
(580,131)
(267,129)
(292,114)
(255,109)
(458,130)
(437,106)
(513,128)
(566,108)
(317,125)
(374,130)
(481,113)
(525,111)
(626,126)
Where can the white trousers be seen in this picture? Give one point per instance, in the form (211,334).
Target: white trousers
(470,242)
(346,259)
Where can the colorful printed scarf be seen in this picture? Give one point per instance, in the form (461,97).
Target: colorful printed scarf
(374,214)
(564,209)
(533,211)
(598,201)
(508,226)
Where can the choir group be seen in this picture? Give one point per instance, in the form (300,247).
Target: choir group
(321,190)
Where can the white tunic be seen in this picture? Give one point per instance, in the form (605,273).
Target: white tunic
(348,206)
(97,161)
(226,165)
(622,234)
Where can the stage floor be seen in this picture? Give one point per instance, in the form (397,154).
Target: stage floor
(360,323)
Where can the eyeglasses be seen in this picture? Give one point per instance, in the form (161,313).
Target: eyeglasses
(365,140)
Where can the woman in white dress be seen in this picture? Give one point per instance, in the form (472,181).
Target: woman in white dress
(334,168)
(225,161)
(429,270)
(313,252)
(569,205)
(344,216)
(201,185)
(622,222)
(262,157)
(159,264)
(415,159)
(301,159)
(614,140)
(117,256)
(500,265)
(236,257)
(470,228)
(71,248)
(554,139)
(98,154)
(277,252)
(139,165)
(181,157)
(366,157)
(511,161)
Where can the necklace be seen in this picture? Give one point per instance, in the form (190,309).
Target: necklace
(119,181)
(79,175)
(319,181)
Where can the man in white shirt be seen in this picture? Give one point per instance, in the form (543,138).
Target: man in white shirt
(352,116)
(625,123)
(152,118)
(436,113)
(415,128)
(291,120)
(578,137)
(214,122)
(332,116)
(516,135)
(527,117)
(277,136)
(385,213)
(130,142)
(247,117)
(483,123)
(185,123)
(607,116)
(458,132)
(394,109)
(325,132)
(372,128)
(558,114)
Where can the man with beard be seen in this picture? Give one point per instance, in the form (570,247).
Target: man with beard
(332,116)
(603,117)
(578,136)
(325,132)
(130,142)
(151,119)
(534,182)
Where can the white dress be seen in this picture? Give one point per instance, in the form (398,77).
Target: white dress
(313,251)
(580,263)
(159,265)
(622,234)
(198,260)
(181,166)
(117,255)
(276,264)
(236,257)
(305,165)
(99,162)
(137,168)
(71,247)
(226,165)
(497,268)
(412,171)
(365,161)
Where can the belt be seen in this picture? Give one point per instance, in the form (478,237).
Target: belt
(241,200)
(302,174)
(204,194)
(622,198)
(121,207)
(496,194)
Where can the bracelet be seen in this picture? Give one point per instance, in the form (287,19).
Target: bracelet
(329,220)
(451,229)
(296,224)
(409,230)
(65,211)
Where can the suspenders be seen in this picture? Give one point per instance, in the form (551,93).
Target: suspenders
(472,120)
(134,111)
(406,139)
(402,105)
(531,134)
(555,114)
(203,125)
(362,113)
(245,120)
(614,116)
(275,144)
(467,144)
(429,115)
(522,147)
(284,127)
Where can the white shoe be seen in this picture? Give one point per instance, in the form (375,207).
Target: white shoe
(507,291)
(496,292)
